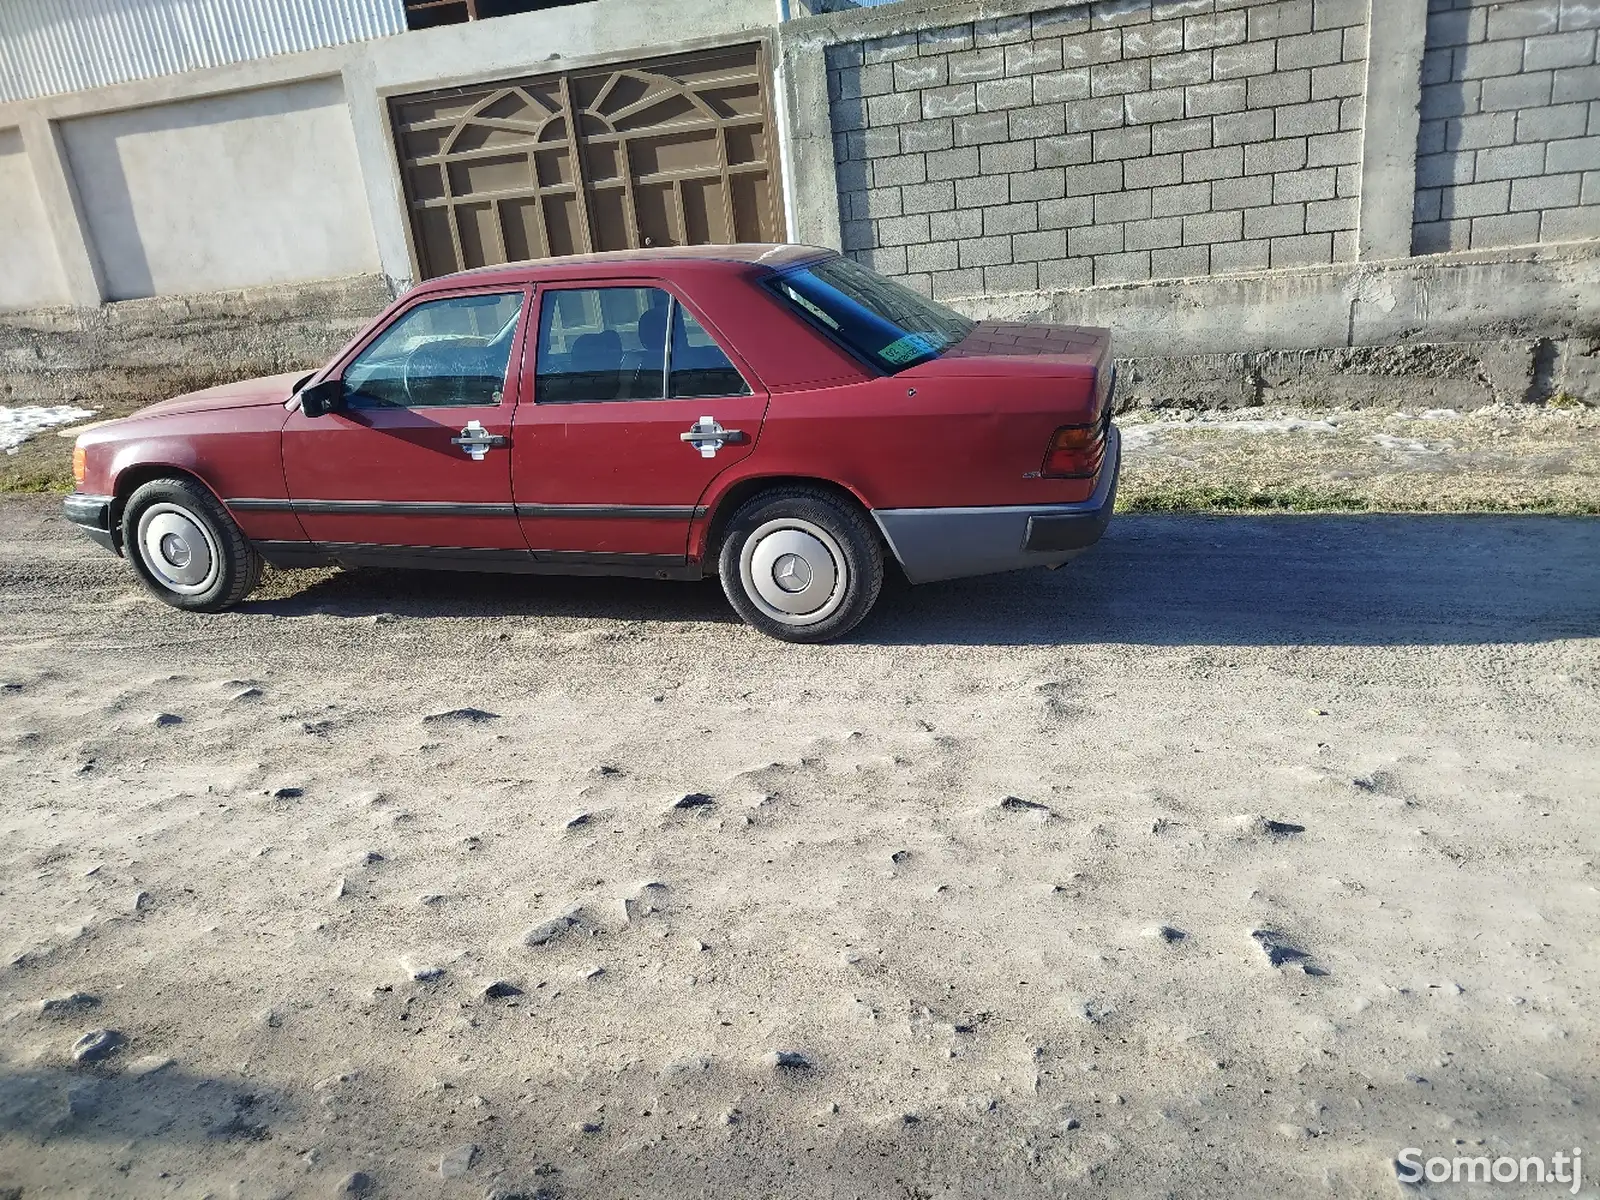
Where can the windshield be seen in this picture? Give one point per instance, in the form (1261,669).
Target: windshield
(885,322)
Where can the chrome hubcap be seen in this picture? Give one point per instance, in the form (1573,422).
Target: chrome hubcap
(794,571)
(178,549)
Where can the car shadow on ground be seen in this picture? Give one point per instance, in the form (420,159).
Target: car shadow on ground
(85,1104)
(373,592)
(1154,580)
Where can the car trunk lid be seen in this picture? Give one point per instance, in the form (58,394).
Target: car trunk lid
(1017,347)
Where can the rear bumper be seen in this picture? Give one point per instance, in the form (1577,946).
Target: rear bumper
(950,543)
(92,514)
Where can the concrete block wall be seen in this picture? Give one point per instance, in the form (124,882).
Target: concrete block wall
(1508,150)
(1230,185)
(1105,143)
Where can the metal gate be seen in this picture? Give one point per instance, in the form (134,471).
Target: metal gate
(668,152)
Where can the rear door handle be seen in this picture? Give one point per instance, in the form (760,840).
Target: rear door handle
(477,441)
(706,436)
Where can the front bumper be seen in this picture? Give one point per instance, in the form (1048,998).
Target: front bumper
(951,543)
(92,514)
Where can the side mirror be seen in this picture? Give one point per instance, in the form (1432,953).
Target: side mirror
(323,398)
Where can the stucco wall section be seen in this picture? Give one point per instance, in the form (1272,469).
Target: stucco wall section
(1448,330)
(32,271)
(147,350)
(248,189)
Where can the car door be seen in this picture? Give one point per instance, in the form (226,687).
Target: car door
(417,463)
(636,406)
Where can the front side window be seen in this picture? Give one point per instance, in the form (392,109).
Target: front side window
(626,343)
(886,323)
(442,353)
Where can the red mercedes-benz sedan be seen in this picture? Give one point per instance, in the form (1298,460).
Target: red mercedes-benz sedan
(778,416)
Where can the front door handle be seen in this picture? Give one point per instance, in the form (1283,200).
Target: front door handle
(706,436)
(477,441)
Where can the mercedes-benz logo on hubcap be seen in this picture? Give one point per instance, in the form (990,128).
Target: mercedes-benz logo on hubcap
(175,550)
(792,573)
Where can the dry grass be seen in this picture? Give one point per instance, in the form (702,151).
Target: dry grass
(1543,459)
(1300,498)
(43,463)
(30,475)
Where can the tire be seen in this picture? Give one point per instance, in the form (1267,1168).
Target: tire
(803,536)
(186,549)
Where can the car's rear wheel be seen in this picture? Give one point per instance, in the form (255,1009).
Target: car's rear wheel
(185,548)
(801,564)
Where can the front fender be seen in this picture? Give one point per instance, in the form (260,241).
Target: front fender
(236,453)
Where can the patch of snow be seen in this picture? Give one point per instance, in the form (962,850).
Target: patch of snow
(17,425)
(1137,437)
(1269,425)
(1402,445)
(1441,414)
(1142,435)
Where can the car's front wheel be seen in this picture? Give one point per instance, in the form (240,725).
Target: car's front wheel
(801,564)
(185,548)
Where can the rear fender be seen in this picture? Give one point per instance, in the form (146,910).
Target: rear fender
(729,491)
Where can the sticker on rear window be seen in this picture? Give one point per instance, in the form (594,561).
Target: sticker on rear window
(912,345)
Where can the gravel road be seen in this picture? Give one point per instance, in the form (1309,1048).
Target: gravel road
(1231,860)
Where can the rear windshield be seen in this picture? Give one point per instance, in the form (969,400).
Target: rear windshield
(886,323)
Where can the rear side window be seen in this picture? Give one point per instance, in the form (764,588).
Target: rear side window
(599,344)
(602,344)
(699,367)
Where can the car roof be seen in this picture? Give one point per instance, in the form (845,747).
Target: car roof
(736,257)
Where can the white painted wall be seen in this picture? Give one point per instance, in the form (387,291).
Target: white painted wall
(30,270)
(230,191)
(272,168)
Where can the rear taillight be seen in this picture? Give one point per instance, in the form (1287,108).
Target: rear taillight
(1075,451)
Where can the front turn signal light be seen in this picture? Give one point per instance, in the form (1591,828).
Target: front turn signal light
(79,463)
(1075,451)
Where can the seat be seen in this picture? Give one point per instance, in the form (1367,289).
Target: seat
(653,331)
(595,366)
(649,361)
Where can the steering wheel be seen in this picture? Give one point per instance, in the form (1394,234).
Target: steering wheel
(416,380)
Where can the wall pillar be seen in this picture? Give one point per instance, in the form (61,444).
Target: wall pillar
(812,181)
(52,174)
(369,117)
(1397,32)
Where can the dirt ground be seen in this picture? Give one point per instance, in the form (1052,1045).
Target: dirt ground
(1229,861)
